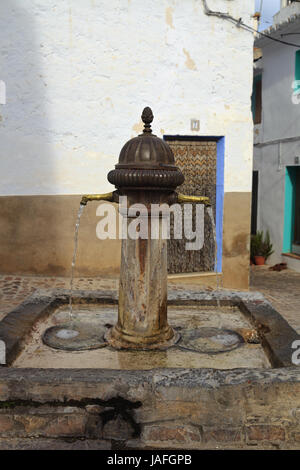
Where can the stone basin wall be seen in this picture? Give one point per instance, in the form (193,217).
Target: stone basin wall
(170,409)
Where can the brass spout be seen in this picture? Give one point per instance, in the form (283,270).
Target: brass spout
(197,199)
(111,197)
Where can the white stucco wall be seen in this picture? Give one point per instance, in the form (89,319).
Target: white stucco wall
(286,11)
(280,114)
(271,191)
(79,72)
(280,122)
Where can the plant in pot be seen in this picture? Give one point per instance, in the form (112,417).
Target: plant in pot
(261,247)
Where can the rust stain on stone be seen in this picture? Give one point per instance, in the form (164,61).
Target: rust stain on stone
(109,101)
(169,17)
(60,270)
(190,64)
(138,127)
(238,245)
(142,250)
(163,313)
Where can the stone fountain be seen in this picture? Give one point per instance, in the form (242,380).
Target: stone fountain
(146,174)
(221,374)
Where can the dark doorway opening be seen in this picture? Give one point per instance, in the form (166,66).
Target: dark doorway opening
(291,239)
(296,241)
(254,203)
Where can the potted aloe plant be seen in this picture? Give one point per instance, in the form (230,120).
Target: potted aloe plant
(261,247)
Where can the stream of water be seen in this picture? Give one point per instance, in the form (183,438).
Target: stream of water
(218,277)
(80,211)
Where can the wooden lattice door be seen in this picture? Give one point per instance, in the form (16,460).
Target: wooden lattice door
(197,161)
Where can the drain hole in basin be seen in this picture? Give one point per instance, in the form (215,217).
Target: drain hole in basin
(63,333)
(210,340)
(75,337)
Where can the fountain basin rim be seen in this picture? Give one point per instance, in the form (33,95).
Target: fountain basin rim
(275,332)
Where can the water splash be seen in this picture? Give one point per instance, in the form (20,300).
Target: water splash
(218,276)
(80,211)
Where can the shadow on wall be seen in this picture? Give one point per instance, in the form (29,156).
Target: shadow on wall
(37,228)
(25,158)
(24,128)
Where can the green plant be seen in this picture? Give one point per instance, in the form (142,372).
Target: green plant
(261,245)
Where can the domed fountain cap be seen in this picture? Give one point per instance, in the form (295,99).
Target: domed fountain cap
(146,161)
(147,150)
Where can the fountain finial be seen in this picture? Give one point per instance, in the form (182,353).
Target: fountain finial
(147,118)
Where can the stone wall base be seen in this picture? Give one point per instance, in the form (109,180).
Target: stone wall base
(171,409)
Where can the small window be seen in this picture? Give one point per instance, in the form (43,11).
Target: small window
(257,99)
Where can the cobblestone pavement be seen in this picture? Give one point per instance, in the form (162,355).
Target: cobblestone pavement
(282,289)
(14,289)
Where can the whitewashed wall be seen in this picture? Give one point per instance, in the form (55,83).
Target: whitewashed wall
(280,122)
(286,11)
(79,72)
(280,113)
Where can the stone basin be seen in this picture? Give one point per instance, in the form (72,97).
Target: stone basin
(229,383)
(221,344)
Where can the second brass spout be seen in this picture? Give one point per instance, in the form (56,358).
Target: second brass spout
(190,199)
(110,197)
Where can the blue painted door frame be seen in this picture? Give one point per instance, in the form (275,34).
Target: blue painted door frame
(289,208)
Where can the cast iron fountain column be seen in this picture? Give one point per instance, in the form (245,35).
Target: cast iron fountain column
(146,174)
(142,312)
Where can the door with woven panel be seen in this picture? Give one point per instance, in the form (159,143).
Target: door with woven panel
(197,160)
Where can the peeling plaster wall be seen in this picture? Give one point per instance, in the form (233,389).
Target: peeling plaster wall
(285,12)
(280,114)
(273,151)
(79,72)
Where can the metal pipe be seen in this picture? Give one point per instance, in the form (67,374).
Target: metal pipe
(198,199)
(111,197)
